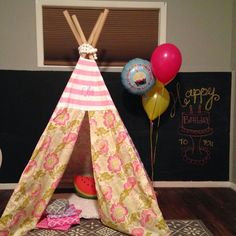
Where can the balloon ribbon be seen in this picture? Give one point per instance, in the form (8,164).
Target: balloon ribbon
(153,148)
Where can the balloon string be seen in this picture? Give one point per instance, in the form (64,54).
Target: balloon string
(156,140)
(151,149)
(156,136)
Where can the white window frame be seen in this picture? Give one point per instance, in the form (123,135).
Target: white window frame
(162,6)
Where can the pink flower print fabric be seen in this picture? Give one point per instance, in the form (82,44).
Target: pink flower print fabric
(71,137)
(30,166)
(51,161)
(118,213)
(16,218)
(39,208)
(137,232)
(61,117)
(114,164)
(109,119)
(131,182)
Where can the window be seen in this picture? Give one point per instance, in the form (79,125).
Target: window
(132,30)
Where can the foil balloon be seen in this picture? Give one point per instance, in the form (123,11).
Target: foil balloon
(137,76)
(156,101)
(166,60)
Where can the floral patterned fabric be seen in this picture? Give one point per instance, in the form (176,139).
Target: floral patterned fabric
(126,198)
(42,174)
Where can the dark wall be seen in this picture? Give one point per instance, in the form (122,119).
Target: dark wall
(28,98)
(194,133)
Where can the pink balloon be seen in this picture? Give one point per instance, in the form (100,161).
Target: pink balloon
(166,60)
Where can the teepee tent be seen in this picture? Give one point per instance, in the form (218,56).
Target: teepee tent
(126,198)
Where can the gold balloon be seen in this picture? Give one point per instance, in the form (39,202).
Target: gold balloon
(156,101)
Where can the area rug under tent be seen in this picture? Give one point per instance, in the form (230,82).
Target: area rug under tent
(90,224)
(94,227)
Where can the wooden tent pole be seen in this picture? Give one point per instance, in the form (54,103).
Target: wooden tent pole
(72,27)
(78,32)
(100,26)
(79,29)
(81,33)
(91,37)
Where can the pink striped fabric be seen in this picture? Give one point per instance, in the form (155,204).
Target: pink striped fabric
(86,89)
(87,103)
(85,72)
(86,93)
(87,62)
(76,81)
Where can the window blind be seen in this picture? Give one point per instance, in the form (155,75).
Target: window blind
(127,34)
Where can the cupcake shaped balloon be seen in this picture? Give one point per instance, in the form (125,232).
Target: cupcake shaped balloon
(137,76)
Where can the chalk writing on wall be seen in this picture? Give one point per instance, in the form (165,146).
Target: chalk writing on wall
(195,128)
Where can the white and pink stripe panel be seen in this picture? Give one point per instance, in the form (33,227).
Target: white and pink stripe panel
(86,89)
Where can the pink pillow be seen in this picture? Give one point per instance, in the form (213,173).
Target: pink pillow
(43,224)
(69,220)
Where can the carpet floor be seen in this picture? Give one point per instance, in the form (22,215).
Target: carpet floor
(96,228)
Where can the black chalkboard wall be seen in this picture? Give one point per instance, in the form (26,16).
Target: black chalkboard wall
(193,134)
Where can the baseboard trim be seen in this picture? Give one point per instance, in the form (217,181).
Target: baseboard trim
(165,184)
(233,186)
(8,186)
(192,184)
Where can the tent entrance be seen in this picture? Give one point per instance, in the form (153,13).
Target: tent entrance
(80,162)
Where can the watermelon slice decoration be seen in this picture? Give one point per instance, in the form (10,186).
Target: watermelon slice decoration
(85,186)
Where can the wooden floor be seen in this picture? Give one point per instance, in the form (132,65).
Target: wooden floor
(216,207)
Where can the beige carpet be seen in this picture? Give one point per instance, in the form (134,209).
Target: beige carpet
(95,228)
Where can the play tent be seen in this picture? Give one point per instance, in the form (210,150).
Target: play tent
(86,111)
